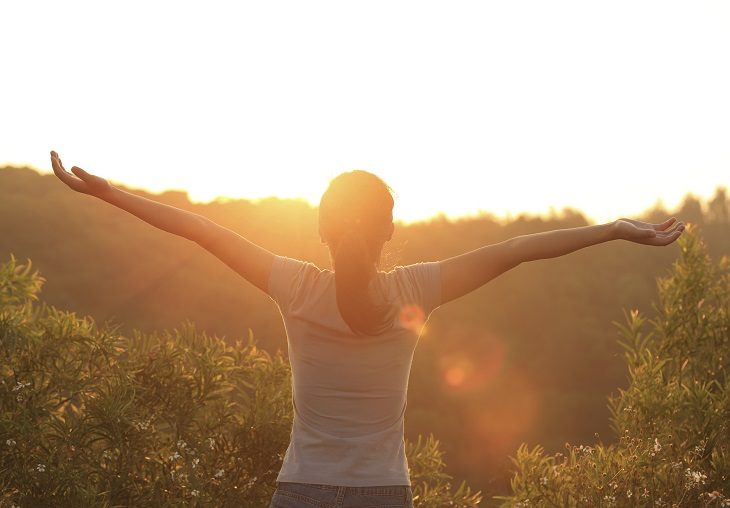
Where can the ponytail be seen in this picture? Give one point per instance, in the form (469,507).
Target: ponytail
(353,263)
(355,220)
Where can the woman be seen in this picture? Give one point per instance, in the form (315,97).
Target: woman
(352,332)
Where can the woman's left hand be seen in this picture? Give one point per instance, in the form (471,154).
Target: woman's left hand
(79,180)
(647,233)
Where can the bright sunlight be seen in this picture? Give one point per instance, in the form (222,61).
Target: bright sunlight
(501,107)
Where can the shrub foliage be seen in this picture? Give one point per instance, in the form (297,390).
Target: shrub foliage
(672,421)
(91,417)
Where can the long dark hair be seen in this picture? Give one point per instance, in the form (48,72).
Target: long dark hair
(355,220)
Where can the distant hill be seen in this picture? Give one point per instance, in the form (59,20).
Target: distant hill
(529,357)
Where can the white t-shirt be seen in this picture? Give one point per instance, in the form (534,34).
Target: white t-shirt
(349,391)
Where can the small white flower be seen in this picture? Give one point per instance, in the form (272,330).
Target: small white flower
(696,477)
(211,443)
(174,456)
(107,454)
(181,444)
(543,480)
(41,468)
(20,385)
(195,493)
(700,447)
(143,425)
(657,446)
(220,473)
(10,442)
(195,462)
(629,494)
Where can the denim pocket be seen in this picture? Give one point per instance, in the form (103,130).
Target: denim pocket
(285,499)
(379,497)
(370,501)
(295,495)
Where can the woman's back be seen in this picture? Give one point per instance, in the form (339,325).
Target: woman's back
(349,390)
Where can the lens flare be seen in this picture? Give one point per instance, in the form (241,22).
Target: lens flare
(475,372)
(455,376)
(504,417)
(412,317)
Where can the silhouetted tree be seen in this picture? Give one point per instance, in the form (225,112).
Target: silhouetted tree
(717,208)
(691,210)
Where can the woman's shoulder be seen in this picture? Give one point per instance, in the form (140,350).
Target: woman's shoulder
(291,276)
(418,283)
(412,276)
(286,262)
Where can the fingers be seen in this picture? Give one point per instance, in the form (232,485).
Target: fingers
(80,173)
(664,225)
(58,168)
(667,237)
(56,163)
(657,227)
(678,228)
(69,179)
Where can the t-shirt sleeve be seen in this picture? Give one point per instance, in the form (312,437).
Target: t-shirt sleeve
(286,280)
(421,285)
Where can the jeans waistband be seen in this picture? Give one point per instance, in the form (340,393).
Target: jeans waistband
(383,490)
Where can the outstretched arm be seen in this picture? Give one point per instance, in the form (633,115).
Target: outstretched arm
(246,258)
(467,272)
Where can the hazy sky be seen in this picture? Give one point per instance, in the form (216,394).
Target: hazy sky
(460,106)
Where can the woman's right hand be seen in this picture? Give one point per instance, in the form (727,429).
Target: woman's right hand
(80,180)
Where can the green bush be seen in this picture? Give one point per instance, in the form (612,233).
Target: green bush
(672,421)
(89,417)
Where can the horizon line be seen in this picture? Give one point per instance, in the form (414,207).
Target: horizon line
(552,212)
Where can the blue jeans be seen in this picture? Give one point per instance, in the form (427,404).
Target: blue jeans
(307,495)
